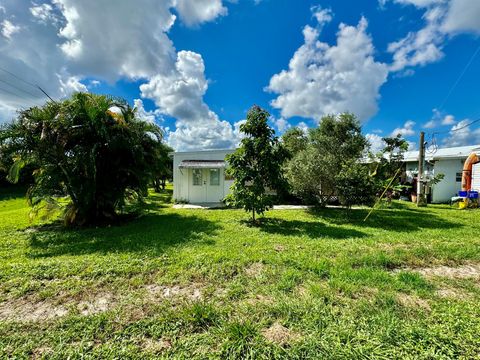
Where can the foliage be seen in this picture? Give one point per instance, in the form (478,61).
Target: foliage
(90,148)
(163,167)
(294,140)
(354,185)
(387,165)
(312,172)
(256,165)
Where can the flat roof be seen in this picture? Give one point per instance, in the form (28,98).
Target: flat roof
(202,164)
(203,151)
(458,152)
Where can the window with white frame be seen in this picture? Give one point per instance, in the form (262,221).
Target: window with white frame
(214,177)
(197,177)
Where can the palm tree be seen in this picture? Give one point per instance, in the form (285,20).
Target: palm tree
(90,148)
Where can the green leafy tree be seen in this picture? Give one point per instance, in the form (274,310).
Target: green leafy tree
(294,140)
(337,141)
(387,166)
(354,185)
(256,165)
(90,149)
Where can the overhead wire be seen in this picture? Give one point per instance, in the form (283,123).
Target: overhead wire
(433,146)
(18,88)
(36,86)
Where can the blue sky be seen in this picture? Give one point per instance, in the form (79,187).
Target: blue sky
(196,67)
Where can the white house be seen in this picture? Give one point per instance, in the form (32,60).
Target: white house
(199,176)
(446,161)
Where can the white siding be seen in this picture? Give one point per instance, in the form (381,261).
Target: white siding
(182,178)
(476,177)
(449,186)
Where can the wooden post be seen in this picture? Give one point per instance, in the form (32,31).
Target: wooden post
(421,200)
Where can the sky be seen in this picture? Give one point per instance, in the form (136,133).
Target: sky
(195,67)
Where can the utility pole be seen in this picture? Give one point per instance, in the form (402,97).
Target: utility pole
(421,200)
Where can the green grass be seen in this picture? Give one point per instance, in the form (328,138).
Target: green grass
(204,284)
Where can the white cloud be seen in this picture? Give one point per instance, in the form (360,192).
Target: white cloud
(421,47)
(406,130)
(442,18)
(430,124)
(303,126)
(323,16)
(281,124)
(462,135)
(323,79)
(62,42)
(8,28)
(194,12)
(180,95)
(376,142)
(448,120)
(152,116)
(462,16)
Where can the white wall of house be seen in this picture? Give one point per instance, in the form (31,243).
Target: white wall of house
(204,189)
(476,177)
(451,183)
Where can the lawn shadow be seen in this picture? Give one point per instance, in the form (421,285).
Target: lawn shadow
(312,229)
(12,192)
(398,218)
(150,235)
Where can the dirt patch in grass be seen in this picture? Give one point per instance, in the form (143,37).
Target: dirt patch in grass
(176,292)
(100,303)
(259,299)
(280,335)
(255,269)
(457,272)
(156,345)
(28,310)
(412,301)
(452,293)
(279,248)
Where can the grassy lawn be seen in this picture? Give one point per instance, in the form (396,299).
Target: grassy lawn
(203,284)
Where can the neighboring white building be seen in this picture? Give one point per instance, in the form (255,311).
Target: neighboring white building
(199,176)
(446,161)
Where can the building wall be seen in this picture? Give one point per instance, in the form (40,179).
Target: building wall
(182,178)
(449,186)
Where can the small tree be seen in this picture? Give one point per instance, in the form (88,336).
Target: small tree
(387,166)
(90,149)
(256,165)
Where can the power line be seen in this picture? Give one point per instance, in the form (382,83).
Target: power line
(453,130)
(21,97)
(27,82)
(459,78)
(18,77)
(19,88)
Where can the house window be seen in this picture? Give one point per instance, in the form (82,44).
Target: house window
(197,177)
(214,177)
(458,177)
